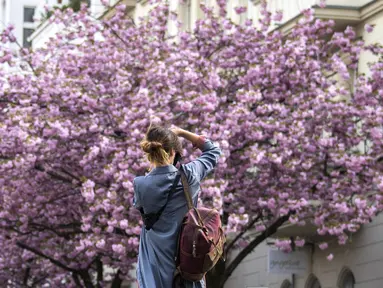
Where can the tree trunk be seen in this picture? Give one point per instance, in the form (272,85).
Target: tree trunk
(86,278)
(100,271)
(117,280)
(76,279)
(215,276)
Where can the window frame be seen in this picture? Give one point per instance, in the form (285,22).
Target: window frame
(24,14)
(28,26)
(311,281)
(286,284)
(345,274)
(26,43)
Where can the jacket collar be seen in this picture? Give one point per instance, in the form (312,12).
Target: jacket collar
(163,170)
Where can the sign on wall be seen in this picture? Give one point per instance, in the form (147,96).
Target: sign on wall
(296,262)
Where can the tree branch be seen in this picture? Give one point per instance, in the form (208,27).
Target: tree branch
(219,47)
(60,197)
(39,253)
(84,274)
(115,33)
(8,102)
(248,226)
(37,281)
(249,143)
(70,174)
(29,62)
(54,174)
(12,228)
(65,234)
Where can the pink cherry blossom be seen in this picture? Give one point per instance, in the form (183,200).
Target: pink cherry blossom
(369,28)
(322,3)
(72,121)
(323,246)
(299,242)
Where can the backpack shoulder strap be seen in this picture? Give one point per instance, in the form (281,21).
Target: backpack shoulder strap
(151,218)
(186,187)
(173,189)
(188,194)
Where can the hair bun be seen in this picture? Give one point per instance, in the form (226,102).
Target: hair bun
(151,146)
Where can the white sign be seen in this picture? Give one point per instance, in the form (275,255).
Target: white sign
(296,262)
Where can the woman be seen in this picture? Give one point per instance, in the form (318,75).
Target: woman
(156,265)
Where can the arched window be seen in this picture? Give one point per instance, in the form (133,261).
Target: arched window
(286,284)
(312,282)
(346,279)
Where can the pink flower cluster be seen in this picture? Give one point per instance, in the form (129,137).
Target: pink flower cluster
(297,146)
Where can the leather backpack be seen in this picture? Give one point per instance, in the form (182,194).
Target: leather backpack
(201,239)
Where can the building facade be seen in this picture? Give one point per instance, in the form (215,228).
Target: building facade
(355,265)
(21,14)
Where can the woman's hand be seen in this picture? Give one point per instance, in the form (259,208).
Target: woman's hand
(176,130)
(197,140)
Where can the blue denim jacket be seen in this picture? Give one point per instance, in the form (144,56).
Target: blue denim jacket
(156,266)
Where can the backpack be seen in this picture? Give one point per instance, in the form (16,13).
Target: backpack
(201,239)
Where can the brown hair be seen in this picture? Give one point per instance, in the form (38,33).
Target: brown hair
(158,143)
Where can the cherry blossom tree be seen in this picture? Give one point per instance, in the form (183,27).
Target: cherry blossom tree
(298,145)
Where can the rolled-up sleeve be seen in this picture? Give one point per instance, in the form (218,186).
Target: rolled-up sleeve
(204,164)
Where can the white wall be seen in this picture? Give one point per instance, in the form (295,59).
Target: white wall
(351,3)
(369,38)
(364,257)
(97,8)
(44,33)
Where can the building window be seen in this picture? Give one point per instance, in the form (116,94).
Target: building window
(316,284)
(313,282)
(76,5)
(286,284)
(27,32)
(29,13)
(348,282)
(28,25)
(346,279)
